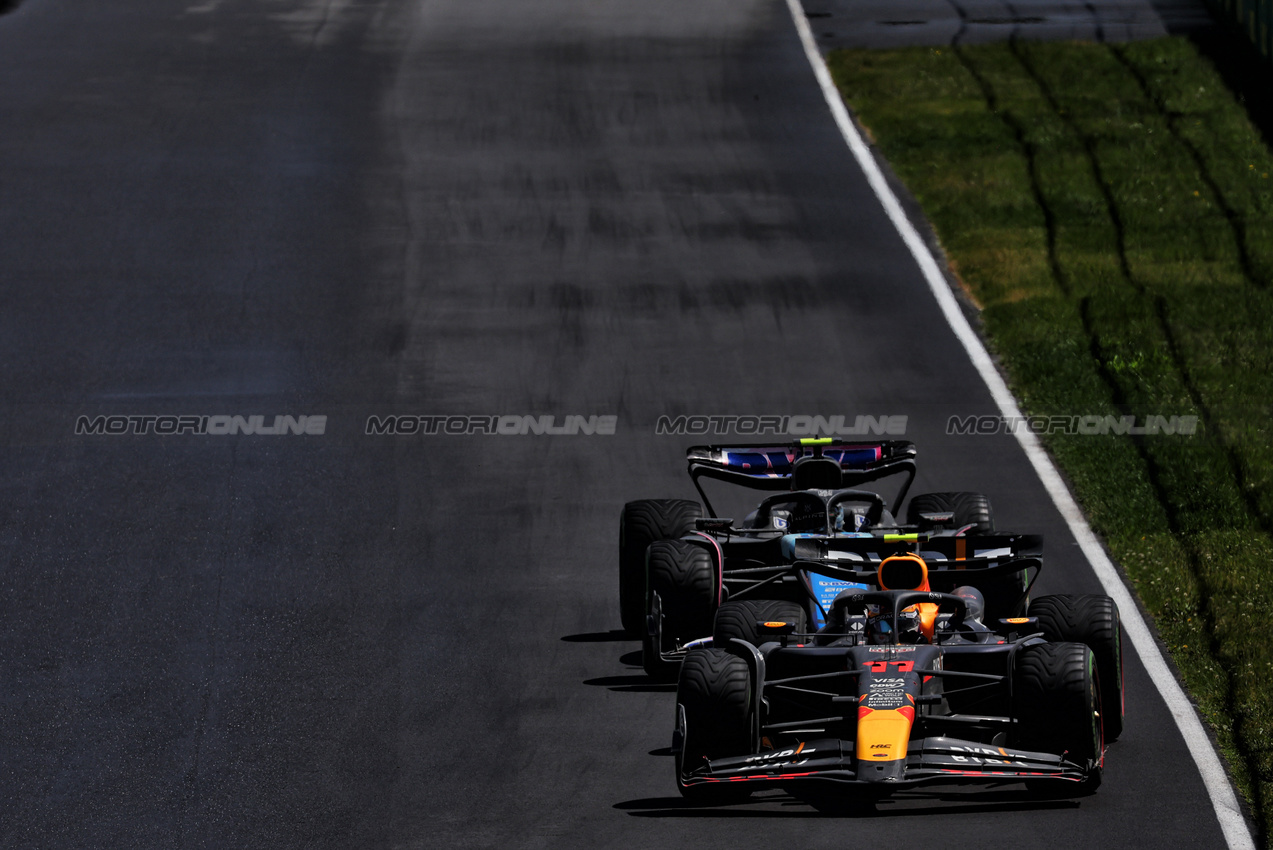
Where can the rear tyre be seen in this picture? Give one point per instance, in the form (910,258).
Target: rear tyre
(1092,620)
(968,509)
(714,691)
(640,524)
(738,619)
(1056,702)
(683,576)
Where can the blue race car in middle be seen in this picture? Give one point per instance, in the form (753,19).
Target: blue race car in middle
(818,534)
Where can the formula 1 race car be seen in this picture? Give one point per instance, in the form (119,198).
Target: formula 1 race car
(924,693)
(817,536)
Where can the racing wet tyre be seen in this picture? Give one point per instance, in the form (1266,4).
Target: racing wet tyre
(683,575)
(1056,702)
(640,524)
(738,619)
(1092,620)
(969,509)
(714,694)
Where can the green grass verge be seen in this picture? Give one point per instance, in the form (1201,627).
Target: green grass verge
(1110,208)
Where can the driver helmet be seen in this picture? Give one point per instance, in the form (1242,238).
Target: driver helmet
(975,601)
(879,627)
(807,515)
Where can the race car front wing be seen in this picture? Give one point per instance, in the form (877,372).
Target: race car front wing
(928,761)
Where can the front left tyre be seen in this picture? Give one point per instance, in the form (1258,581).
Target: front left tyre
(640,524)
(1092,620)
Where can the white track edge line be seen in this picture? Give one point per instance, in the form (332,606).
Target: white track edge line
(1223,797)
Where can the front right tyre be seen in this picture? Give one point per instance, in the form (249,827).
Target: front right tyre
(739,619)
(967,509)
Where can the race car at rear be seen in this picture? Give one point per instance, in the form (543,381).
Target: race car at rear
(924,693)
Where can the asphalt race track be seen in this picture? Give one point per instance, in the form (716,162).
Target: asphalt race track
(467,207)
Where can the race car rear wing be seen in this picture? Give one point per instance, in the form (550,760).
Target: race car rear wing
(943,575)
(775,467)
(822,580)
